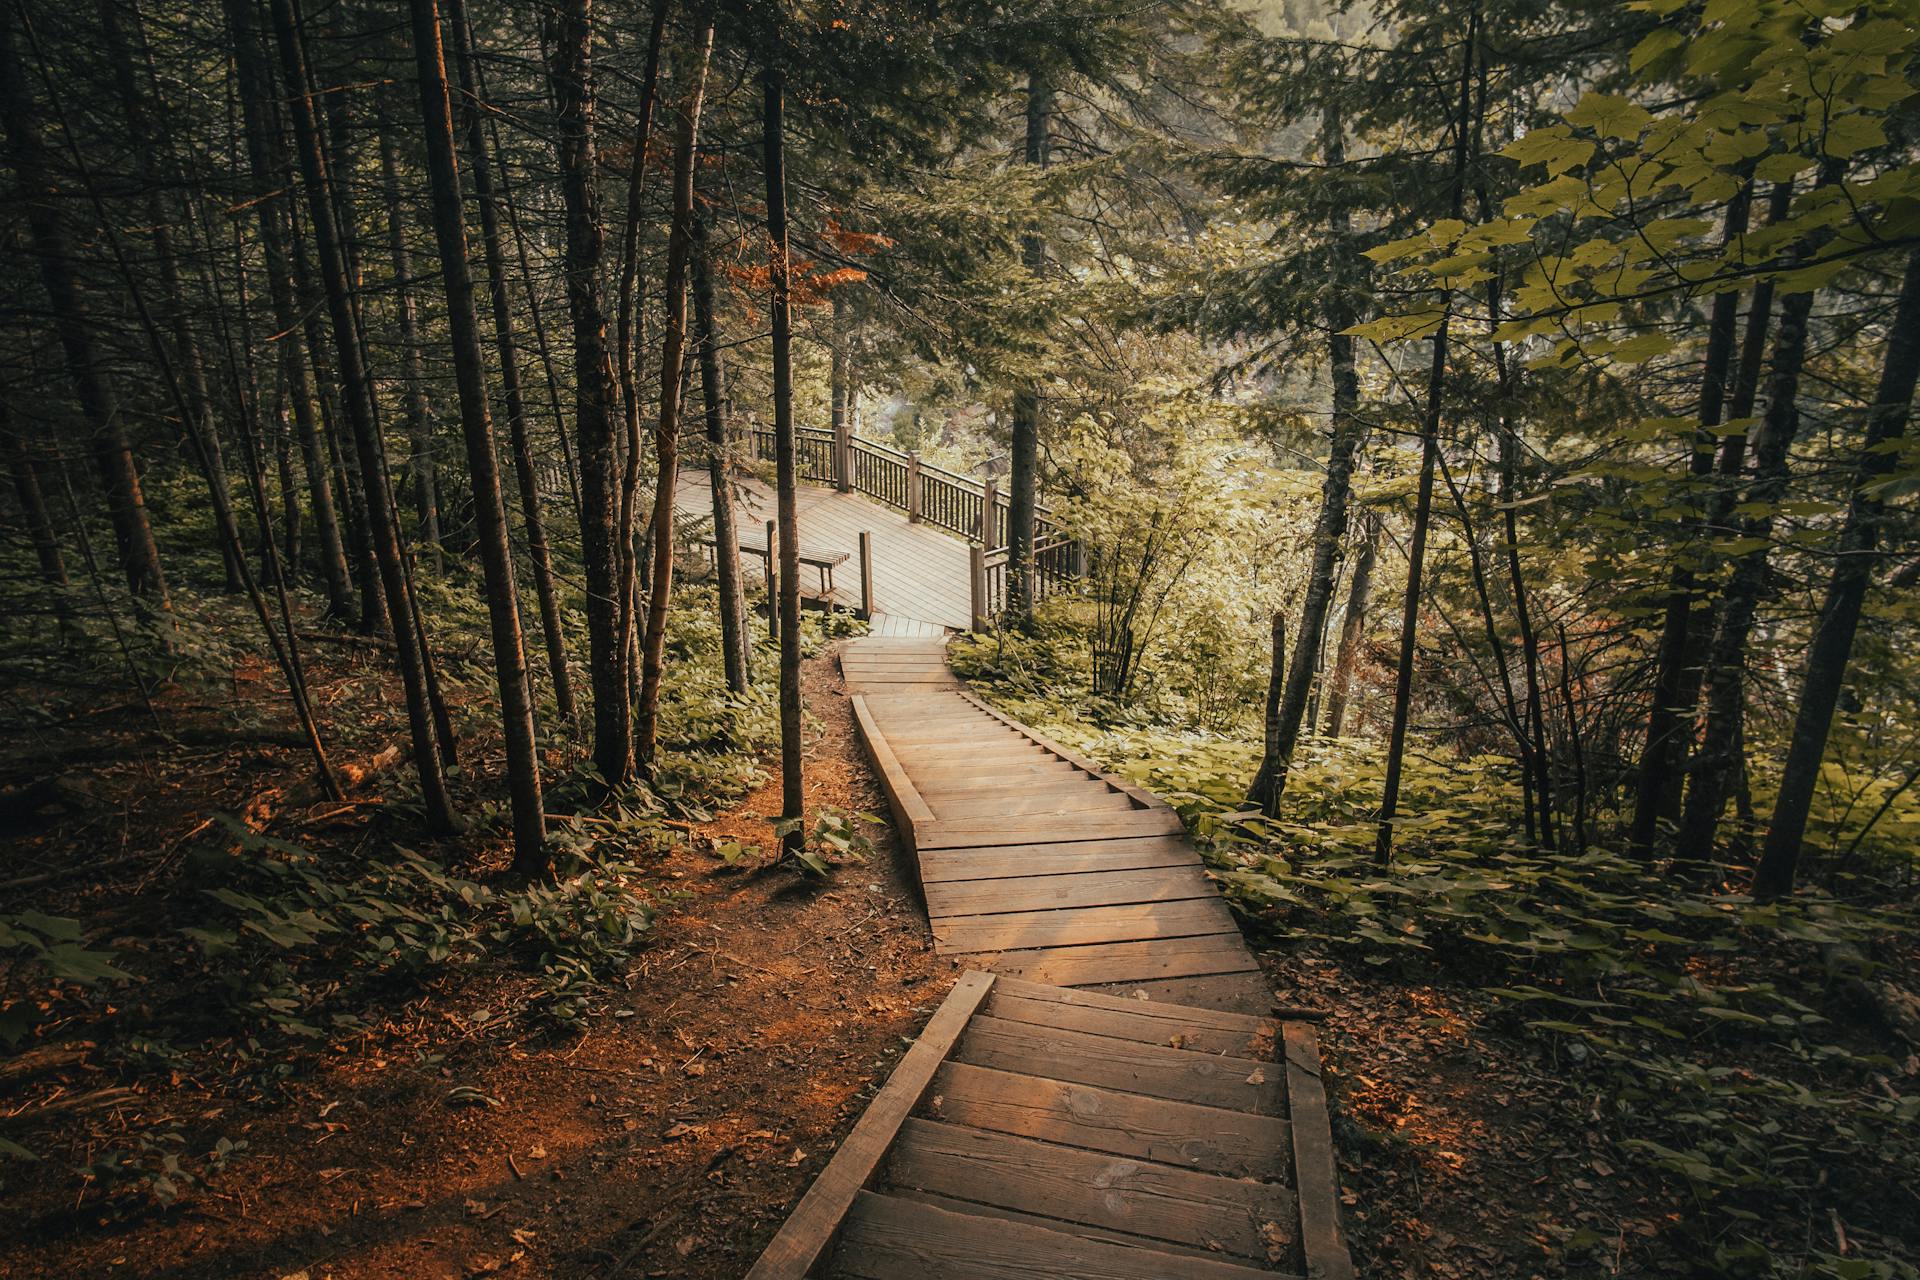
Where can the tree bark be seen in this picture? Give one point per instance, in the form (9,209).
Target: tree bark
(111,452)
(413,376)
(1714,768)
(1353,626)
(256,94)
(593,394)
(1267,783)
(666,436)
(358,404)
(1662,755)
(1023,494)
(1852,575)
(735,649)
(530,856)
(506,347)
(786,480)
(1429,451)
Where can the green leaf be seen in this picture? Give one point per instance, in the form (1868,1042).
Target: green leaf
(1610,115)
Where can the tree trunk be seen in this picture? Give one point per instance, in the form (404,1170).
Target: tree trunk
(735,649)
(1023,493)
(792,782)
(25,474)
(112,454)
(530,855)
(1269,782)
(144,145)
(1353,627)
(1852,574)
(358,401)
(1662,755)
(507,349)
(1740,600)
(1429,451)
(257,94)
(413,376)
(666,436)
(593,395)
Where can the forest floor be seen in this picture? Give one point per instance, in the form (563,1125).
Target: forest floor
(666,1139)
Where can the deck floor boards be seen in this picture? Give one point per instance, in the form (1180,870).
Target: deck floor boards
(1117,1100)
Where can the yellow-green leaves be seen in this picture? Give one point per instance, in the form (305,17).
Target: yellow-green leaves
(1610,115)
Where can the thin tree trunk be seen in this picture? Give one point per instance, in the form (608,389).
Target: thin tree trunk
(593,395)
(1661,756)
(1740,601)
(144,145)
(1353,627)
(1429,451)
(1852,575)
(1023,494)
(530,856)
(256,94)
(1266,789)
(33,508)
(413,376)
(786,479)
(507,349)
(1330,527)
(357,398)
(666,438)
(734,646)
(111,452)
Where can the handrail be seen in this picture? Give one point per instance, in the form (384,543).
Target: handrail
(973,509)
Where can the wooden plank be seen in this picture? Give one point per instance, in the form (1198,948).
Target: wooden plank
(1089,889)
(802,1241)
(1143,796)
(909,810)
(888,1237)
(1138,1196)
(1223,1020)
(1030,802)
(962,784)
(1230,1143)
(974,833)
(1067,858)
(1239,992)
(1154,1070)
(1124,1024)
(1079,926)
(993,1216)
(1318,1177)
(1129,961)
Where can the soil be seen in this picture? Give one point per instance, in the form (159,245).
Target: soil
(671,1138)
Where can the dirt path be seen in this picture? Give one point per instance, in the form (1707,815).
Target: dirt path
(667,1140)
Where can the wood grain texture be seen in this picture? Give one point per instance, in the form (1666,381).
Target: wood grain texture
(1151,1070)
(1142,1197)
(888,1238)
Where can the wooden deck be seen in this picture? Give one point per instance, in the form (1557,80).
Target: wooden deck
(920,574)
(1105,1093)
(1033,1131)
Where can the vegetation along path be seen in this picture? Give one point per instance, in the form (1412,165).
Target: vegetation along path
(1108,1090)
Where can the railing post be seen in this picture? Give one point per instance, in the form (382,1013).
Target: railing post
(913,486)
(989,527)
(866,575)
(977,582)
(843,454)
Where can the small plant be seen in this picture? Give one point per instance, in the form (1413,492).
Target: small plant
(836,836)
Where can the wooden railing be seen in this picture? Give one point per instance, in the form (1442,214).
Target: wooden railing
(973,509)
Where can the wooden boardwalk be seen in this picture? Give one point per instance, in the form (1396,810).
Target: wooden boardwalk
(1105,1093)
(920,574)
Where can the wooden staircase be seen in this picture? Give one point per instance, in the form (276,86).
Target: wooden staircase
(1105,1092)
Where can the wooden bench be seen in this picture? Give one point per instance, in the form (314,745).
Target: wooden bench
(823,561)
